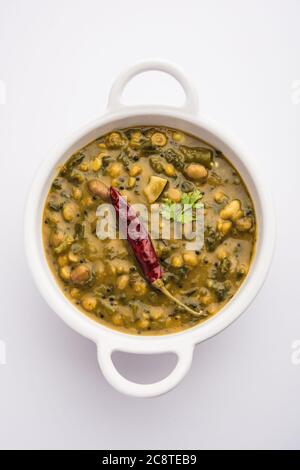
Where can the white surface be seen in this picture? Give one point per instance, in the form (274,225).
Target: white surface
(58,60)
(107,340)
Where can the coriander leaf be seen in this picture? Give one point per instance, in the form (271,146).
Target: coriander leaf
(183,212)
(191,198)
(171,211)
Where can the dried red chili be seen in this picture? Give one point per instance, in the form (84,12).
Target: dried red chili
(142,246)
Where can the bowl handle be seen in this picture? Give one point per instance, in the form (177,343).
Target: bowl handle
(191,97)
(184,354)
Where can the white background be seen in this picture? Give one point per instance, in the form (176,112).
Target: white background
(58,59)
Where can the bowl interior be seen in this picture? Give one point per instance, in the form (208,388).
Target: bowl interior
(202,130)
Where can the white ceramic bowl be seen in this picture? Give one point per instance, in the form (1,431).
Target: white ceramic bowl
(109,340)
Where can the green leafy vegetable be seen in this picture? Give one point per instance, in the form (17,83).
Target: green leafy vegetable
(173,157)
(79,231)
(182,212)
(191,198)
(124,158)
(64,245)
(57,183)
(212,238)
(54,206)
(223,268)
(71,164)
(221,290)
(156,164)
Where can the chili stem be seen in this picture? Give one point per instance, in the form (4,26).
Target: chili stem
(160,286)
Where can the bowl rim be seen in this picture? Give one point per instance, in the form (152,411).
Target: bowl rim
(121,340)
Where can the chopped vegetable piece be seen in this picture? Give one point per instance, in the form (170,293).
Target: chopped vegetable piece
(158,139)
(154,188)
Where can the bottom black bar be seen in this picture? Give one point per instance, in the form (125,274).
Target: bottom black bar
(152,458)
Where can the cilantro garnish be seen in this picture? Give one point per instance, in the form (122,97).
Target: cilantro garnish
(182,212)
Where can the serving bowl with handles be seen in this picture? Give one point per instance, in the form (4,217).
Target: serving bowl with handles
(108,340)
